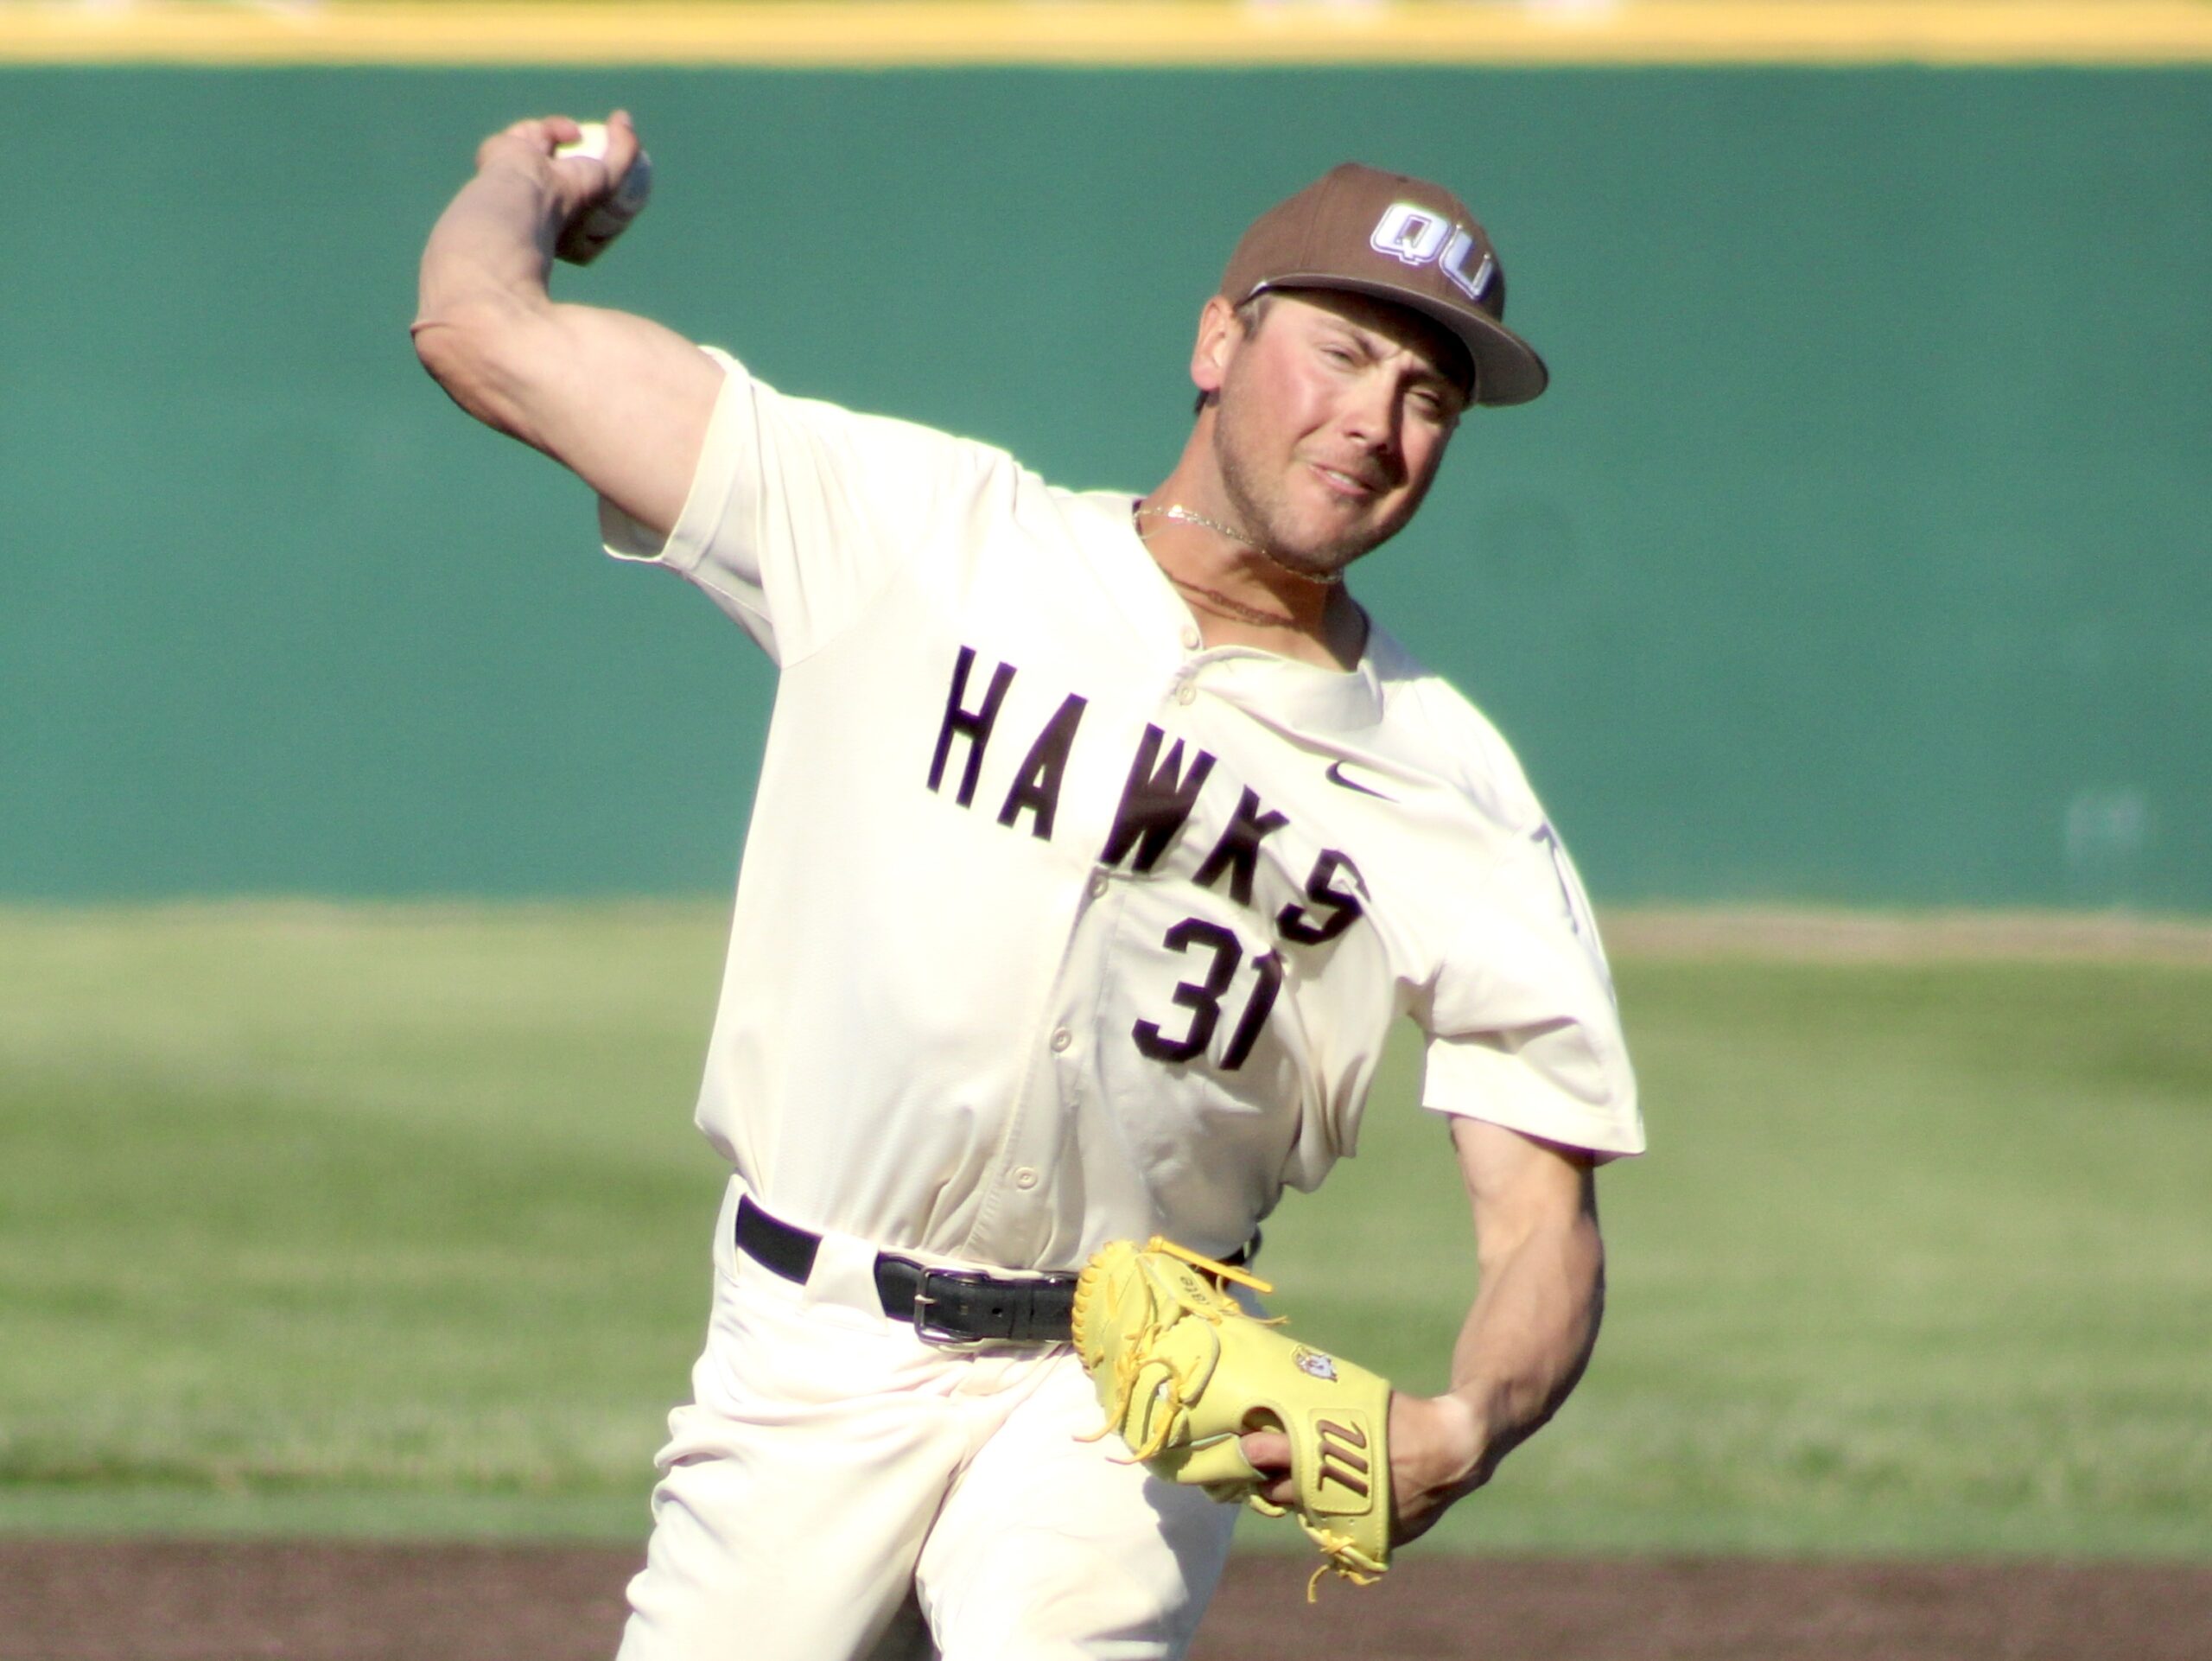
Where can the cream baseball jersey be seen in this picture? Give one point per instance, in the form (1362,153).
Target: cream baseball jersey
(1055,926)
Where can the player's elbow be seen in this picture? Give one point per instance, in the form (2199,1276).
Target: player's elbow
(474,350)
(459,345)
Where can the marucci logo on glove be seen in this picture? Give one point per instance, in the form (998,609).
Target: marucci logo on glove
(1344,1456)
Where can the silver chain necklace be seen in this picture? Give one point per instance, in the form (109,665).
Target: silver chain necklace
(1177,512)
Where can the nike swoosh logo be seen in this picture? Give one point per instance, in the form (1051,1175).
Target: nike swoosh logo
(1336,777)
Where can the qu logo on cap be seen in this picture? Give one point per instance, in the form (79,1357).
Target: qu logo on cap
(1416,236)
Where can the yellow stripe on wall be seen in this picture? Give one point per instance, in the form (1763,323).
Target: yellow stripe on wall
(1119,33)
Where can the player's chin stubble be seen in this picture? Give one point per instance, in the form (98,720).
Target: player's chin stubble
(1264,512)
(1261,511)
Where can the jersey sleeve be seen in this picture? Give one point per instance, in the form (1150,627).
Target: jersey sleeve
(799,511)
(1524,1029)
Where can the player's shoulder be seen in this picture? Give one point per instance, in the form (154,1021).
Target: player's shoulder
(1430,722)
(966,472)
(871,430)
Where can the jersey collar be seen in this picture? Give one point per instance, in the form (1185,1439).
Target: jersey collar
(1278,691)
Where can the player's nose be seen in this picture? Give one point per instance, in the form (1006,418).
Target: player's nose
(1374,401)
(1373,418)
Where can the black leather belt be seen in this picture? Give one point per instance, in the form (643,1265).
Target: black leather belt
(946,1306)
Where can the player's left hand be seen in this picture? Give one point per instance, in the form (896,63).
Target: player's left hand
(1435,1449)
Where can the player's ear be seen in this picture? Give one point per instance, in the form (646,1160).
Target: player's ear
(1219,333)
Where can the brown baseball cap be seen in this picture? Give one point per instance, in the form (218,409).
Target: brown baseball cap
(1393,238)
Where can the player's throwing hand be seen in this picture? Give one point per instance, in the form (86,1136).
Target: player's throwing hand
(596,175)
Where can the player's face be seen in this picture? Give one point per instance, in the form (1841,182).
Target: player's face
(1332,418)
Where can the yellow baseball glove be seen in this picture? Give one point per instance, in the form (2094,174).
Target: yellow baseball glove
(1182,1371)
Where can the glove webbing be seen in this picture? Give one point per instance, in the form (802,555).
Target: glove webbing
(1130,1366)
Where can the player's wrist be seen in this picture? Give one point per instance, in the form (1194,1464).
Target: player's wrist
(521,181)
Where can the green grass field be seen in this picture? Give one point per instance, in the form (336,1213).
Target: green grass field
(392,1220)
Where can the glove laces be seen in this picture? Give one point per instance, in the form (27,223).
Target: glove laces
(1130,1364)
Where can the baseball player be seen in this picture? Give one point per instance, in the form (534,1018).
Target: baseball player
(1100,838)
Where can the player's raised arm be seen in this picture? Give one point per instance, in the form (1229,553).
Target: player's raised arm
(616,399)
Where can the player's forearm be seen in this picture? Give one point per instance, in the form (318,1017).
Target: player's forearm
(493,246)
(483,287)
(1527,1339)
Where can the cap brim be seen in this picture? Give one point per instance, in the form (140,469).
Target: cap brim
(1507,368)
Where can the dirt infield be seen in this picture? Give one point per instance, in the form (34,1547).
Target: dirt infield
(151,1601)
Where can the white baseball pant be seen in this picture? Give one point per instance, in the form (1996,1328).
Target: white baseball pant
(834,1473)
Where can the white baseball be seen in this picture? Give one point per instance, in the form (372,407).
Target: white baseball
(584,242)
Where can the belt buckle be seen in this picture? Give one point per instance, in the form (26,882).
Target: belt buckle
(945,1338)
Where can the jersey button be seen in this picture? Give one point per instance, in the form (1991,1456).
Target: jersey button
(1099,885)
(1061,1039)
(1187,693)
(1025,1178)
(1191,639)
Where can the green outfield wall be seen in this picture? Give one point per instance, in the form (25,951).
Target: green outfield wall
(1859,552)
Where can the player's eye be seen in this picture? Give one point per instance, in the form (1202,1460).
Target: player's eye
(1434,404)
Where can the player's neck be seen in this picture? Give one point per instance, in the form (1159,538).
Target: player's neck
(1235,593)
